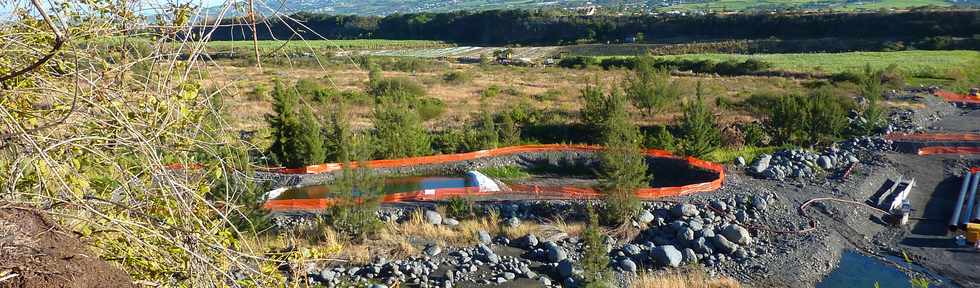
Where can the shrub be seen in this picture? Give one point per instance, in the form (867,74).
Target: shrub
(577,62)
(624,167)
(429,108)
(650,88)
(754,134)
(457,77)
(296,134)
(460,208)
(698,128)
(808,120)
(398,132)
(550,95)
(488,134)
(846,76)
(398,89)
(455,141)
(506,172)
(490,92)
(260,93)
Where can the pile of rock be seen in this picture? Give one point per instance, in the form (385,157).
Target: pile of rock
(804,164)
(684,233)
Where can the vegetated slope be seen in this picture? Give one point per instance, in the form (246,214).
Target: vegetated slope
(387,7)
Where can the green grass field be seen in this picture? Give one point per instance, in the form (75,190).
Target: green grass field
(914,62)
(741,5)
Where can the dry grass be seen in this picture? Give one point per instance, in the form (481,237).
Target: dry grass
(688,278)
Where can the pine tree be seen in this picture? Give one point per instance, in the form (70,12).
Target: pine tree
(699,130)
(398,131)
(510,133)
(649,88)
(595,258)
(873,114)
(296,136)
(594,111)
(624,167)
(489,136)
(661,139)
(358,193)
(337,134)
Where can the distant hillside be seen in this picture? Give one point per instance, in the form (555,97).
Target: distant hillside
(387,7)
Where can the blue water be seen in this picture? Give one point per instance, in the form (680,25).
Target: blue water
(858,271)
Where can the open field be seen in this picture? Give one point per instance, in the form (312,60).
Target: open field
(916,62)
(267,46)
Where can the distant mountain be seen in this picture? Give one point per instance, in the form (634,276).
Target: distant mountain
(386,7)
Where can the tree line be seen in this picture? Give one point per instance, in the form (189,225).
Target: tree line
(542,27)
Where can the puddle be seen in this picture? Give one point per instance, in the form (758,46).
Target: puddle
(857,270)
(392,185)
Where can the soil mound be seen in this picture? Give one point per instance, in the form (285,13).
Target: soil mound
(36,253)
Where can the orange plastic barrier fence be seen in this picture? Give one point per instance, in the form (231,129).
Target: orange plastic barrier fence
(558,192)
(936,150)
(934,137)
(958,98)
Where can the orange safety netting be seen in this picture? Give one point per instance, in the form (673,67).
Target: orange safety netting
(533,191)
(933,137)
(958,98)
(935,150)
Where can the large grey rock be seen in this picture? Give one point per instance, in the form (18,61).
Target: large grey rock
(686,234)
(433,217)
(432,250)
(555,252)
(527,242)
(761,163)
(328,275)
(723,245)
(689,255)
(450,222)
(700,245)
(825,163)
(484,237)
(631,249)
(668,255)
(567,269)
(684,210)
(759,202)
(627,265)
(512,222)
(645,217)
(544,281)
(736,234)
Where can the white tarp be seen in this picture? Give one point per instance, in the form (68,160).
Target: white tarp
(485,183)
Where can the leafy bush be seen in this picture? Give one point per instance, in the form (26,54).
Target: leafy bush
(489,137)
(455,141)
(661,139)
(429,108)
(577,62)
(595,110)
(490,92)
(457,77)
(460,208)
(510,133)
(698,128)
(398,89)
(754,134)
(809,120)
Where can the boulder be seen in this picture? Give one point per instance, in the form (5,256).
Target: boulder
(512,222)
(686,234)
(484,237)
(567,269)
(432,250)
(723,245)
(527,242)
(689,255)
(450,222)
(667,255)
(433,217)
(761,163)
(759,203)
(700,245)
(825,163)
(627,265)
(736,234)
(631,249)
(555,252)
(645,217)
(684,210)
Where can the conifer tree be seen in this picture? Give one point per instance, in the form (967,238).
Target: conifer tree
(595,259)
(699,129)
(624,167)
(510,133)
(296,134)
(398,131)
(649,88)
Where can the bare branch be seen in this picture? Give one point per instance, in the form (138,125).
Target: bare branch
(59,40)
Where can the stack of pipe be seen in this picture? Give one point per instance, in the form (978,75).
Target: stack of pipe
(966,209)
